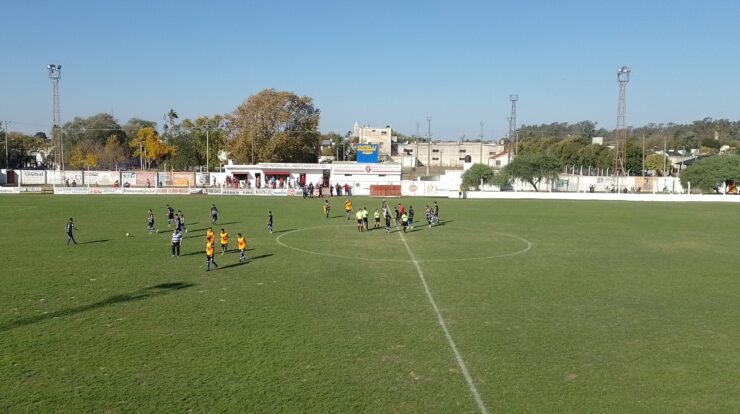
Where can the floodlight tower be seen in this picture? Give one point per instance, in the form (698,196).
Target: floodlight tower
(55,73)
(512,124)
(620,134)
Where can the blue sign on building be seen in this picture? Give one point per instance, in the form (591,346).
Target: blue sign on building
(367,153)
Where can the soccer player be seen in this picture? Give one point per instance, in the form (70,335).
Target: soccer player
(327,208)
(170,215)
(404,221)
(435,213)
(397,216)
(411,217)
(376,216)
(388,223)
(214,214)
(178,222)
(364,218)
(224,241)
(176,240)
(269,221)
(150,222)
(209,255)
(182,220)
(428,214)
(70,229)
(241,244)
(209,234)
(358,216)
(348,207)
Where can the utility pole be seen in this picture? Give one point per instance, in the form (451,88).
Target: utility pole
(7,160)
(481,141)
(416,150)
(429,142)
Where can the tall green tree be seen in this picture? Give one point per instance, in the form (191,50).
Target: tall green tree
(275,126)
(710,174)
(475,175)
(534,168)
(94,129)
(658,163)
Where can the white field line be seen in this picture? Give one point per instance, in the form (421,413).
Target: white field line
(443,325)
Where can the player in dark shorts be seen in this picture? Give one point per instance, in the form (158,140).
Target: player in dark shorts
(170,215)
(150,222)
(387,223)
(411,217)
(269,221)
(70,229)
(214,214)
(360,223)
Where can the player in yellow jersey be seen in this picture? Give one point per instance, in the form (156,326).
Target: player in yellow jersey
(348,208)
(224,241)
(241,244)
(209,234)
(209,255)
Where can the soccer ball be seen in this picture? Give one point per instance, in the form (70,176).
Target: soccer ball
(127,234)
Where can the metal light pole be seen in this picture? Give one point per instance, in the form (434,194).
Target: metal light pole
(208,148)
(7,160)
(55,73)
(429,142)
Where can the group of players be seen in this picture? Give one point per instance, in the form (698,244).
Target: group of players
(401,217)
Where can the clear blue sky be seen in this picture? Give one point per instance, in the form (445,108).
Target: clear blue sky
(375,62)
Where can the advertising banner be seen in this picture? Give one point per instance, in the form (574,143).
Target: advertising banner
(71,190)
(165,179)
(367,153)
(9,190)
(138,190)
(30,177)
(202,179)
(105,190)
(280,192)
(146,179)
(263,191)
(30,189)
(366,169)
(170,190)
(128,177)
(109,178)
(212,191)
(238,191)
(183,179)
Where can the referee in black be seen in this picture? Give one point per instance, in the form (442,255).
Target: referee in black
(70,231)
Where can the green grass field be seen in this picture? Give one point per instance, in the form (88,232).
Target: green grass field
(553,307)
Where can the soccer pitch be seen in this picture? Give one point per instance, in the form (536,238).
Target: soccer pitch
(507,306)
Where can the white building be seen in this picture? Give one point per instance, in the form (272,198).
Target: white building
(447,154)
(372,135)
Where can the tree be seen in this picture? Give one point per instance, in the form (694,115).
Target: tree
(96,128)
(275,126)
(21,149)
(476,175)
(113,153)
(133,125)
(709,174)
(200,138)
(84,155)
(148,146)
(658,163)
(533,168)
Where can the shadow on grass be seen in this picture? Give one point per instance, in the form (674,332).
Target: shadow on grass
(95,241)
(145,293)
(282,231)
(249,259)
